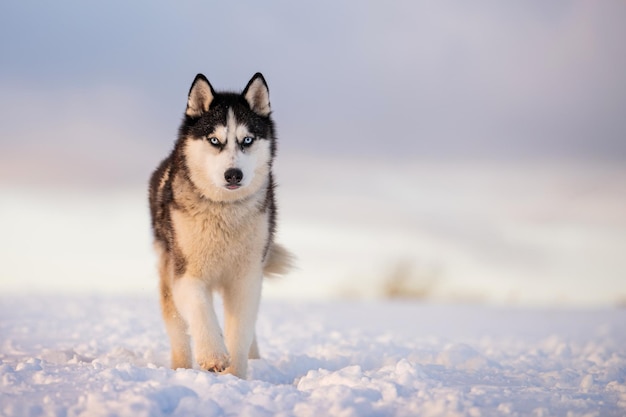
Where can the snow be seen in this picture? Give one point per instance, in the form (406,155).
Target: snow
(539,246)
(107,355)
(529,233)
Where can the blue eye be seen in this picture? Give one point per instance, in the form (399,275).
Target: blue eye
(214,141)
(248,140)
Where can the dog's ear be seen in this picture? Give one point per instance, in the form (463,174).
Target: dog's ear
(200,96)
(257,95)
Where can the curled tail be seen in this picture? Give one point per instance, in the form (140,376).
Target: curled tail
(278,262)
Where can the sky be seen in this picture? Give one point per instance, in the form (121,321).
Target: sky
(88,85)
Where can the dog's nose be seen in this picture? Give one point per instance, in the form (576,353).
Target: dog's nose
(233,176)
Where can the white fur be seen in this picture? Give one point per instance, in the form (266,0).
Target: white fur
(241,306)
(196,308)
(226,257)
(208,164)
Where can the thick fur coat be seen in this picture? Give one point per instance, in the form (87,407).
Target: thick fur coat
(213,214)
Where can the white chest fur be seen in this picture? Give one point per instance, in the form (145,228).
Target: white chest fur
(221,240)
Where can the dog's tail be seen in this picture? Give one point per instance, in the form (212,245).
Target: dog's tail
(279,261)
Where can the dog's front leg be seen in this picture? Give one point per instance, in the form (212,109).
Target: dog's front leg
(195,303)
(241,305)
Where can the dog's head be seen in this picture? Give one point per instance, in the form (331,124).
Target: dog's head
(228,139)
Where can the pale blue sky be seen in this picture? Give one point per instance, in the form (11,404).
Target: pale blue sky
(94,80)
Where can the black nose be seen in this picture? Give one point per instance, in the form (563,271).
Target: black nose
(233,176)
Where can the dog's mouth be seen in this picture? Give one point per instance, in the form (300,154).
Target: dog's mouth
(233,186)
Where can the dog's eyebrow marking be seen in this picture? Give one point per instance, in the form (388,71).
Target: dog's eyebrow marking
(220,132)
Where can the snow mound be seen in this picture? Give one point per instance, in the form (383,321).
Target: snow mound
(108,356)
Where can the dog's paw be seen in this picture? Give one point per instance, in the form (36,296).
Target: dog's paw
(214,363)
(238,371)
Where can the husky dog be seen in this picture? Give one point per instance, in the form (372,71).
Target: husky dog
(213,217)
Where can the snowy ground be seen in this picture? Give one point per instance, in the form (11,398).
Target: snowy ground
(547,238)
(107,356)
(530,234)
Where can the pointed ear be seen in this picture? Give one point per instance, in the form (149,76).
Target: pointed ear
(257,95)
(200,96)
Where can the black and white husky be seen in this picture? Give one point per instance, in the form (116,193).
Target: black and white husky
(213,216)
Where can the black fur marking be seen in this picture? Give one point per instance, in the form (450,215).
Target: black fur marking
(160,200)
(269,205)
(200,127)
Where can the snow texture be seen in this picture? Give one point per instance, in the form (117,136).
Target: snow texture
(108,356)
